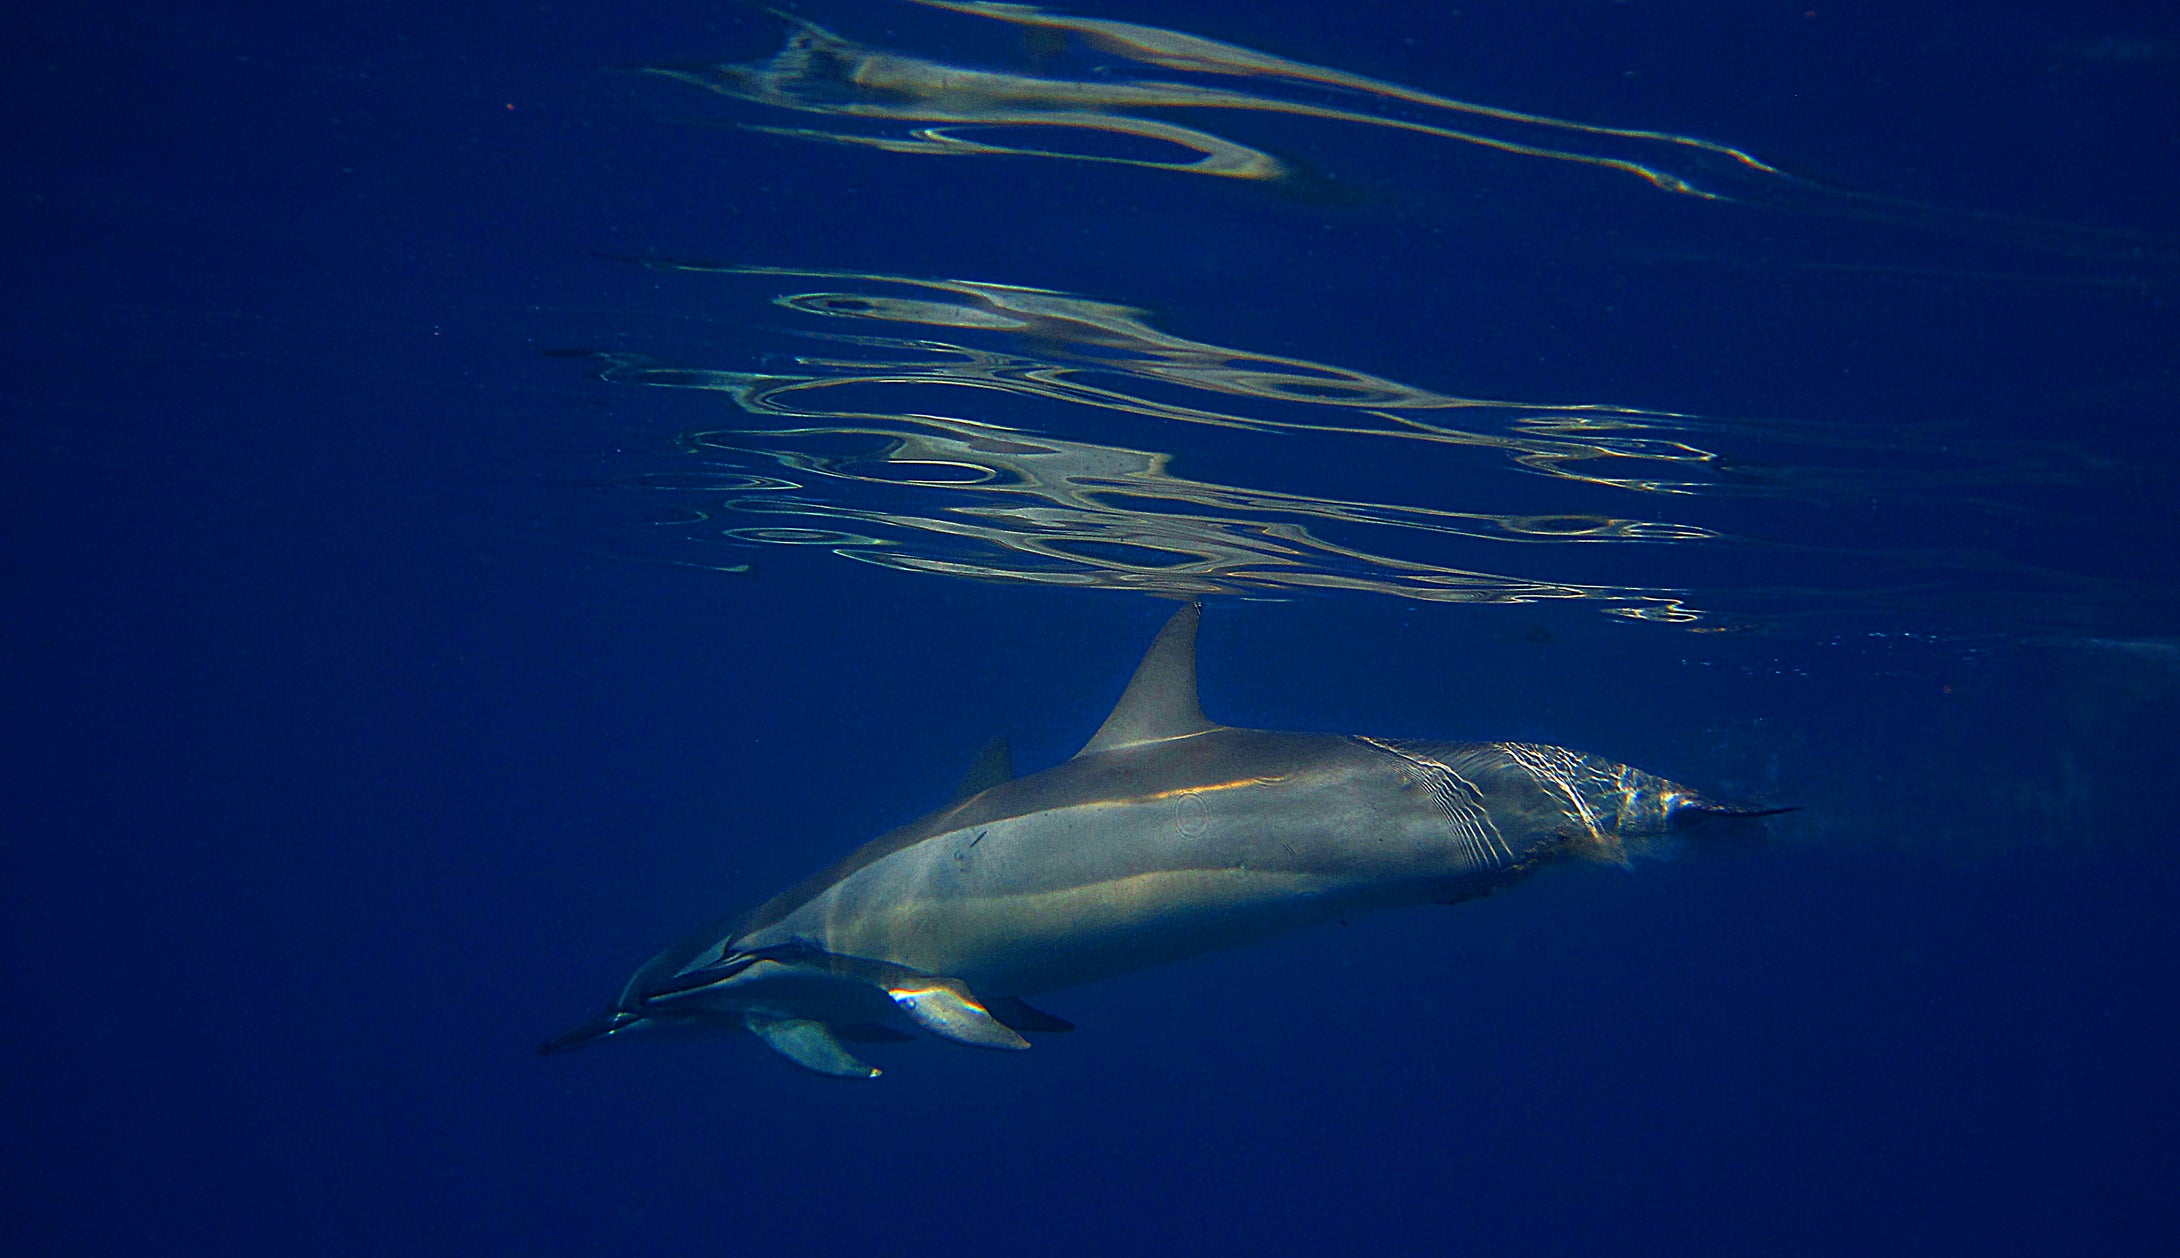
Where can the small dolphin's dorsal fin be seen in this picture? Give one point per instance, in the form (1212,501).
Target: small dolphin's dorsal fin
(993,766)
(1160,702)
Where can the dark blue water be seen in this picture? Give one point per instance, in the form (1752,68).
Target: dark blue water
(392,663)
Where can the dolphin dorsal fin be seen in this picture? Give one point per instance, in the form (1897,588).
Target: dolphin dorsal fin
(993,766)
(1160,702)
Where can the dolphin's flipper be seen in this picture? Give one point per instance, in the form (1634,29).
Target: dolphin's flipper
(943,1006)
(809,1044)
(1023,1016)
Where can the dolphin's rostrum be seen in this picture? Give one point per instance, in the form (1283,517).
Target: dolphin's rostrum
(1166,836)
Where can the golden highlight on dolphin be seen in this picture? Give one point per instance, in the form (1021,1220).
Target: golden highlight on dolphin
(1167,836)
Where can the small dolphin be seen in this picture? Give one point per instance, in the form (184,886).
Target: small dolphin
(1166,836)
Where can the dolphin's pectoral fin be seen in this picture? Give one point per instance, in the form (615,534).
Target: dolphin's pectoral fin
(1023,1016)
(809,1044)
(943,1006)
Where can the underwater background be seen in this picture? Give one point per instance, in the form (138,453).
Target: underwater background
(491,488)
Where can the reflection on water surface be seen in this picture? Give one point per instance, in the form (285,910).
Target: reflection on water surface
(1011,433)
(1106,114)
(1008,432)
(889,447)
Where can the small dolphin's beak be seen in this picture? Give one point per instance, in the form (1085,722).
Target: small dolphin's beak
(1699,810)
(592,1031)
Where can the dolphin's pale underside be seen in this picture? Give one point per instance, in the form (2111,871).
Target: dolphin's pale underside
(1166,836)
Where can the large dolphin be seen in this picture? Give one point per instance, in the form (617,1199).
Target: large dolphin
(1164,837)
